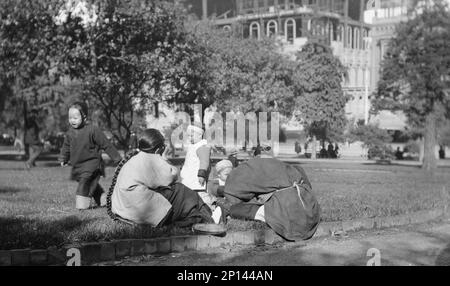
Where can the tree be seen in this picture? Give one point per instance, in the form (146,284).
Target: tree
(132,55)
(243,74)
(30,57)
(416,62)
(373,137)
(240,74)
(319,99)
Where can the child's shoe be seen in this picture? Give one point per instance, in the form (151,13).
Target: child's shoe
(82,203)
(103,199)
(217,215)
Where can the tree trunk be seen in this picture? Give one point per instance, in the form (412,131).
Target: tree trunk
(313,148)
(429,159)
(420,142)
(25,126)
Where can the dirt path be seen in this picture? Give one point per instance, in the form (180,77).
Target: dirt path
(413,245)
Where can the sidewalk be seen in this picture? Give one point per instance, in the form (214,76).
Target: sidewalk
(426,244)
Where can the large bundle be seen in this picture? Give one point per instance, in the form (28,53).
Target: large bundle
(291,209)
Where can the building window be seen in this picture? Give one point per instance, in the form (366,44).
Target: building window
(248,4)
(254,30)
(356,39)
(331,32)
(289,28)
(260,5)
(340,33)
(320,29)
(272,28)
(349,37)
(317,28)
(299,32)
(365,39)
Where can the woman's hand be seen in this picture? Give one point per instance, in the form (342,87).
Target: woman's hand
(165,153)
(201,180)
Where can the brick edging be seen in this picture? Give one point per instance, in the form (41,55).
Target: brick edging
(104,251)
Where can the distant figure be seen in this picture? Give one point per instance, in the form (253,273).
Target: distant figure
(298,148)
(330,151)
(441,152)
(18,144)
(399,154)
(233,157)
(35,145)
(336,150)
(323,153)
(257,151)
(262,150)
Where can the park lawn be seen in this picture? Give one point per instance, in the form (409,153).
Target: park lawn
(37,206)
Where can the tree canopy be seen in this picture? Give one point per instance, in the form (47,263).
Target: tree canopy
(244,74)
(319,98)
(413,72)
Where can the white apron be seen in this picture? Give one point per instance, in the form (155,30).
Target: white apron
(191,166)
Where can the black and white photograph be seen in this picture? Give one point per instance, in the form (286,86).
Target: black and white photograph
(226,138)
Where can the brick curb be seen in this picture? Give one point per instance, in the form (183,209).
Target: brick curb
(104,251)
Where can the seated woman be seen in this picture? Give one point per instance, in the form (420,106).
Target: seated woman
(269,190)
(144,189)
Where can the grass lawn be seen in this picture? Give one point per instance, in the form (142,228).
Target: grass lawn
(37,206)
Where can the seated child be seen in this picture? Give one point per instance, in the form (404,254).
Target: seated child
(223,169)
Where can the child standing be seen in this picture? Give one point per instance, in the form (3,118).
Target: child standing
(82,148)
(196,168)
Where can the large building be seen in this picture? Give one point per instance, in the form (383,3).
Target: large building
(340,23)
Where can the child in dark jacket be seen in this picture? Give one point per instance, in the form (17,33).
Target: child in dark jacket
(82,148)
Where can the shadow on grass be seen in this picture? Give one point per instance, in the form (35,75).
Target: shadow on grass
(12,190)
(12,157)
(443,258)
(19,233)
(390,164)
(398,164)
(21,157)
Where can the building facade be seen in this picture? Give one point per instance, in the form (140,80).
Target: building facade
(339,23)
